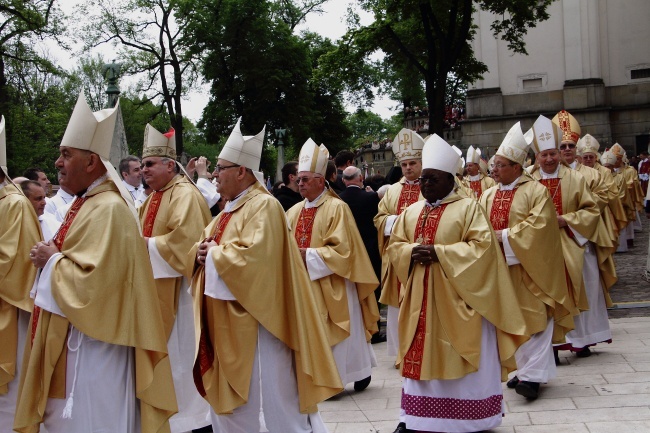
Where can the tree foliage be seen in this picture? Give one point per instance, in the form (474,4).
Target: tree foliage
(424,42)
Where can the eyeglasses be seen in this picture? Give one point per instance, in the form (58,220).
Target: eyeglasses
(500,166)
(567,146)
(219,168)
(304,179)
(429,180)
(148,164)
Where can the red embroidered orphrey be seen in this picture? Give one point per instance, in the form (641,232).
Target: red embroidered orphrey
(500,212)
(476,187)
(409,195)
(304,226)
(425,230)
(58,239)
(152,211)
(205,356)
(554,188)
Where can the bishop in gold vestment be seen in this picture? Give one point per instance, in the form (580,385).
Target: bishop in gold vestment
(459,321)
(19,231)
(173,218)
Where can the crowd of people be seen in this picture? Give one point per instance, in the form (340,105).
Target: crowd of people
(454,114)
(158,297)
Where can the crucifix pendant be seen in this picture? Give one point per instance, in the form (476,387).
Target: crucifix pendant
(419,240)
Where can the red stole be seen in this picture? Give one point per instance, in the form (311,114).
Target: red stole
(304,226)
(152,211)
(500,212)
(58,239)
(409,195)
(205,356)
(554,188)
(425,233)
(476,187)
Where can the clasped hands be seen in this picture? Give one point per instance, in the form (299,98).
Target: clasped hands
(202,253)
(424,254)
(41,253)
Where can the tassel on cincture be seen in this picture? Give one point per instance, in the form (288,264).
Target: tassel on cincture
(263,428)
(67,410)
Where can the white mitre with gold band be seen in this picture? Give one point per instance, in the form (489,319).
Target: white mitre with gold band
(313,158)
(546,135)
(514,146)
(608,157)
(158,144)
(473,155)
(587,144)
(439,155)
(408,144)
(569,126)
(244,150)
(483,166)
(617,150)
(94,132)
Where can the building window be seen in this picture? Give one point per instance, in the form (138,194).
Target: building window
(534,83)
(637,74)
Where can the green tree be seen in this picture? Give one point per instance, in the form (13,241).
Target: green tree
(366,126)
(150,36)
(430,39)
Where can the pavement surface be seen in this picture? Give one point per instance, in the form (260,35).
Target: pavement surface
(607,392)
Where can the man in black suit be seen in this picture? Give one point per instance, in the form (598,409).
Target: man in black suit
(343,160)
(364,206)
(288,194)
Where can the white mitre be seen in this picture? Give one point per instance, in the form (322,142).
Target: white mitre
(158,144)
(94,132)
(546,135)
(313,158)
(588,144)
(617,150)
(608,157)
(408,144)
(514,146)
(244,150)
(439,155)
(473,155)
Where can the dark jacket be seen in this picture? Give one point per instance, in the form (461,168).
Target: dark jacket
(287,197)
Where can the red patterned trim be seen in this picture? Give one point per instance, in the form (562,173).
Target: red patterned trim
(152,211)
(304,226)
(500,212)
(452,408)
(553,187)
(205,356)
(58,239)
(409,195)
(426,229)
(476,187)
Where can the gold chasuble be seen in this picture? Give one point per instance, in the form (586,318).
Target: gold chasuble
(104,285)
(175,216)
(534,236)
(572,200)
(326,228)
(397,198)
(19,232)
(614,198)
(478,186)
(625,193)
(442,304)
(260,264)
(634,187)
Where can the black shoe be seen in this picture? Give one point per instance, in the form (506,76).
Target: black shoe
(583,353)
(556,355)
(512,383)
(401,428)
(530,390)
(360,385)
(377,338)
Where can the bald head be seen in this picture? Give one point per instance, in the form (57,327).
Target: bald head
(352,176)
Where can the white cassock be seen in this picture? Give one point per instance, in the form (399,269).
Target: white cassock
(273,395)
(59,204)
(193,409)
(472,403)
(354,356)
(49,226)
(592,326)
(101,376)
(137,193)
(392,313)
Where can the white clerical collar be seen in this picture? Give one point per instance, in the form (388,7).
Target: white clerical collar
(130,187)
(510,186)
(475,178)
(437,202)
(617,170)
(550,175)
(310,204)
(412,182)
(232,203)
(96,183)
(574,164)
